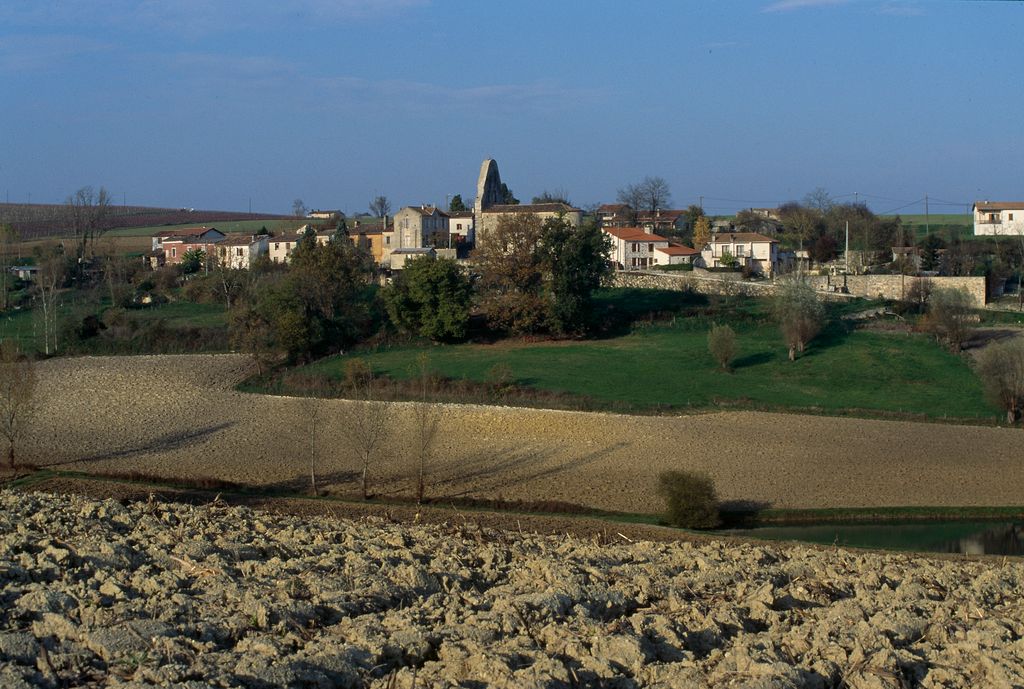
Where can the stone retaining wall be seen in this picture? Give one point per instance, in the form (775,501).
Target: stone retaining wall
(869,286)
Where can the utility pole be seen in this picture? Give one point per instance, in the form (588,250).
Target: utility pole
(702,202)
(856,200)
(927,225)
(847,252)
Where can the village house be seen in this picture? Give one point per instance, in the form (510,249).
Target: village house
(280,247)
(634,247)
(995,218)
(170,246)
(399,257)
(461,228)
(674,254)
(744,250)
(417,227)
(240,251)
(661,220)
(614,215)
(370,238)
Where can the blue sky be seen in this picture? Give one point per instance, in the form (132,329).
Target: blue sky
(207,104)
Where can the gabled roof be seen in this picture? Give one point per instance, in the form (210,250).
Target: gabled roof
(984,206)
(730,237)
(187,232)
(531,208)
(613,208)
(633,234)
(461,214)
(426,210)
(239,240)
(677,250)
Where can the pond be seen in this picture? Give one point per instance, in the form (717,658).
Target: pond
(968,537)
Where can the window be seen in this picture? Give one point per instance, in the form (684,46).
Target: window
(650,247)
(238,251)
(1011,216)
(174,253)
(277,246)
(739,250)
(636,246)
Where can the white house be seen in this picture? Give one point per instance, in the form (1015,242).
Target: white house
(633,247)
(993,218)
(674,254)
(280,248)
(240,251)
(746,249)
(461,226)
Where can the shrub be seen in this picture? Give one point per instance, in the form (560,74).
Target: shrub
(690,499)
(722,345)
(799,313)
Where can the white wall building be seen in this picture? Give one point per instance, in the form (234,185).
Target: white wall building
(995,218)
(633,247)
(241,251)
(758,252)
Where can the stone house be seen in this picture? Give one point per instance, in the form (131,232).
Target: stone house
(748,249)
(417,227)
(994,218)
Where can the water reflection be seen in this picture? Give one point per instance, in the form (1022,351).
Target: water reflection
(968,537)
(1002,539)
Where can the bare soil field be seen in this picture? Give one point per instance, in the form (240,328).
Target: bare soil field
(179,416)
(145,594)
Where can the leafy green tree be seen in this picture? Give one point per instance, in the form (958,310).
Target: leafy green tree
(577,261)
(691,501)
(430,298)
(507,197)
(556,196)
(457,205)
(800,315)
(930,247)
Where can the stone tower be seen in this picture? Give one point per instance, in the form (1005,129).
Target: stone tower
(488,189)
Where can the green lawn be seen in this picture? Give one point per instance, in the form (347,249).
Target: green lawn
(947,226)
(668,365)
(246,226)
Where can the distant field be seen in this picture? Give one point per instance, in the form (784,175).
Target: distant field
(227,227)
(945,225)
(668,365)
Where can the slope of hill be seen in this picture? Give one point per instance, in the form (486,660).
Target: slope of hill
(37,220)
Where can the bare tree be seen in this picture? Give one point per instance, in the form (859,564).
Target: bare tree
(948,312)
(1001,368)
(380,207)
(368,417)
(722,345)
(87,211)
(819,200)
(8,240)
(312,407)
(427,422)
(298,208)
(651,194)
(49,280)
(800,315)
(17,395)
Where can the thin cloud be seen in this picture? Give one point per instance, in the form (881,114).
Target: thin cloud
(791,5)
(38,53)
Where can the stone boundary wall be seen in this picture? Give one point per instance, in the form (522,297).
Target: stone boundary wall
(690,282)
(869,286)
(896,286)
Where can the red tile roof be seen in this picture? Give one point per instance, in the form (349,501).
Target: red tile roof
(633,234)
(677,250)
(531,208)
(999,205)
(186,232)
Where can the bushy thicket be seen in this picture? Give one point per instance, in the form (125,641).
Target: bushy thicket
(690,499)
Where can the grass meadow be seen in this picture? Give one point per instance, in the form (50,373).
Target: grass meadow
(662,364)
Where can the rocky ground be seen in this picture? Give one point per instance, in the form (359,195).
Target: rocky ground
(96,593)
(179,416)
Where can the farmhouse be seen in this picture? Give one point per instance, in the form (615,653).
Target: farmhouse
(744,249)
(994,218)
(674,254)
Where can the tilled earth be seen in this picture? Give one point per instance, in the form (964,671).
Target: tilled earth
(179,416)
(96,593)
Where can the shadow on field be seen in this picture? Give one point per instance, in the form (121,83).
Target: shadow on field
(499,469)
(170,441)
(753,360)
(301,484)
